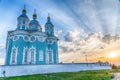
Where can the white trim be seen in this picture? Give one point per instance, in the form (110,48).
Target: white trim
(20,26)
(31,37)
(43,38)
(7,44)
(16,48)
(34,55)
(24,56)
(51,52)
(48,41)
(14,37)
(47,56)
(26,36)
(37,37)
(41,55)
(48,52)
(14,32)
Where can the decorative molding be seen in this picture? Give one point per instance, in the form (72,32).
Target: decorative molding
(50,41)
(27,32)
(41,38)
(23,60)
(49,54)
(16,50)
(15,37)
(41,55)
(32,38)
(25,38)
(34,49)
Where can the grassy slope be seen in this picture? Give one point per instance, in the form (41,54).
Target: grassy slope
(84,75)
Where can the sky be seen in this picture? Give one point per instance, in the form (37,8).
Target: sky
(84,27)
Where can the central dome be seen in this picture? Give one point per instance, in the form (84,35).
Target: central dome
(34,24)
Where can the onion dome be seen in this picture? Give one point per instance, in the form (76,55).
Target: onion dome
(34,24)
(23,20)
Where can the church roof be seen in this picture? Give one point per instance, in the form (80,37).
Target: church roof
(34,24)
(23,16)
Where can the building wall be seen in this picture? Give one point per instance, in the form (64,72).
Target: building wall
(51,68)
(38,45)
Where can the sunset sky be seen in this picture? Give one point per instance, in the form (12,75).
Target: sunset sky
(84,27)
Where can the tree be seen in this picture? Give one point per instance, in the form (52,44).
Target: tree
(114,66)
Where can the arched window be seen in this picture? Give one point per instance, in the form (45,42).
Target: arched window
(15,38)
(49,56)
(32,58)
(41,38)
(26,38)
(14,56)
(41,55)
(23,21)
(32,38)
(25,56)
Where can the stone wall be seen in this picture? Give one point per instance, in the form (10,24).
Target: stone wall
(18,70)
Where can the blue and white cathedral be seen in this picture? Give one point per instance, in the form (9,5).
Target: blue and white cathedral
(28,44)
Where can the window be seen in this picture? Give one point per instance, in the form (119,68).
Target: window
(32,58)
(40,39)
(41,56)
(23,21)
(32,38)
(49,56)
(49,41)
(13,56)
(47,28)
(26,56)
(26,38)
(15,38)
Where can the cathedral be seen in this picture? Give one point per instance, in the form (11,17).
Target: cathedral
(28,44)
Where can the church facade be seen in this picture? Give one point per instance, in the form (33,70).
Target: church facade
(28,44)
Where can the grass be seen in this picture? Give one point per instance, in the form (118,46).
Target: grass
(83,75)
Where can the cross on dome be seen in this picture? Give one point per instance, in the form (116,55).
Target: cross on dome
(24,10)
(48,18)
(34,15)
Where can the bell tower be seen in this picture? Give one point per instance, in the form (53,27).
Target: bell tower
(49,27)
(23,20)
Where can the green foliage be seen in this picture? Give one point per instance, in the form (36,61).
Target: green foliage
(82,75)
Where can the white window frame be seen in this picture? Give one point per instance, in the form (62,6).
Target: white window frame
(14,37)
(48,41)
(24,55)
(34,55)
(48,56)
(24,38)
(31,37)
(15,55)
(41,55)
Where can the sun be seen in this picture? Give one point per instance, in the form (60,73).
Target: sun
(112,54)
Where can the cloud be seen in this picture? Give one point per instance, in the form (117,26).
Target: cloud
(94,44)
(86,26)
(2,53)
(74,35)
(68,37)
(58,32)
